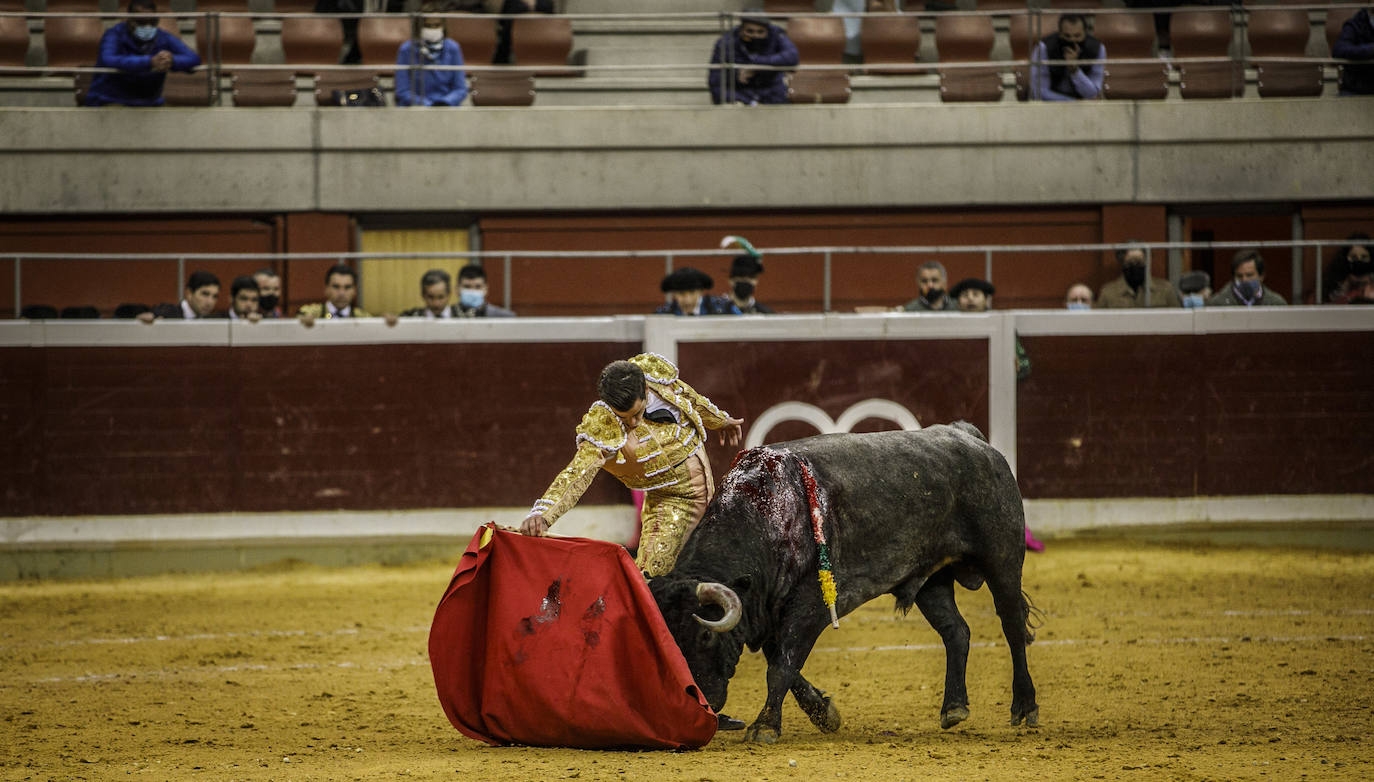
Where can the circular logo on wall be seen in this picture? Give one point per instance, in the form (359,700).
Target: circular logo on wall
(882,409)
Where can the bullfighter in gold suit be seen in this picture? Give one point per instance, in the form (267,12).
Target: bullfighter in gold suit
(648,430)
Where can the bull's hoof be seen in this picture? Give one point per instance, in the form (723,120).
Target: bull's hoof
(1031,717)
(826,719)
(762,734)
(953,716)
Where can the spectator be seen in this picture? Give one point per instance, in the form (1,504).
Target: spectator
(202,293)
(1196,288)
(1356,42)
(744,284)
(143,53)
(930,284)
(340,291)
(245,297)
(472,295)
(433,87)
(436,288)
(1081,79)
(754,41)
(269,292)
(1247,284)
(687,288)
(975,295)
(1130,290)
(1079,297)
(1349,277)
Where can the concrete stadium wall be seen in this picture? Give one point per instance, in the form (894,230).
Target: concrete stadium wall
(69,161)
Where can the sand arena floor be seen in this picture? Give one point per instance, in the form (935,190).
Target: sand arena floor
(1156,662)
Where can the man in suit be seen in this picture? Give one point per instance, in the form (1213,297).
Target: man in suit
(436,289)
(202,293)
(340,291)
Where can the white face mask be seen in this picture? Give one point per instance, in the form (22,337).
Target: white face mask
(431,35)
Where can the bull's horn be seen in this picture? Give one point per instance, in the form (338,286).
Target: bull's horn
(711,593)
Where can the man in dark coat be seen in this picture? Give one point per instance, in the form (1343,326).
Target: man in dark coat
(1356,42)
(687,288)
(755,41)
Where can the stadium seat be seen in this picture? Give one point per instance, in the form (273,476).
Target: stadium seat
(476,36)
(1024,32)
(264,88)
(890,40)
(819,39)
(14,40)
(72,41)
(1282,32)
(999,5)
(236,40)
(788,6)
(380,38)
(311,40)
(501,88)
(1205,34)
(86,312)
(129,311)
(1335,20)
(294,7)
(1130,36)
(188,89)
(328,83)
(818,87)
(962,38)
(543,40)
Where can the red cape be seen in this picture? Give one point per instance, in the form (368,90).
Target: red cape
(558,642)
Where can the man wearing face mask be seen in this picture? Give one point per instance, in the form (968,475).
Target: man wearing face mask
(144,54)
(930,283)
(755,41)
(1079,297)
(1081,77)
(1131,290)
(1350,275)
(472,295)
(419,85)
(1247,284)
(1196,288)
(744,283)
(269,292)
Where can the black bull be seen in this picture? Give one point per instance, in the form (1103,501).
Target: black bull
(905,513)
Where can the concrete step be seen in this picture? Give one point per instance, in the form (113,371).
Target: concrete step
(657,55)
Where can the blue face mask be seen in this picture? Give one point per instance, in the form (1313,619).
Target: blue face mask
(1079,305)
(470,298)
(1248,288)
(1193,301)
(145,32)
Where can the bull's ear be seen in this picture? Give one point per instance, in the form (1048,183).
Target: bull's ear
(741,585)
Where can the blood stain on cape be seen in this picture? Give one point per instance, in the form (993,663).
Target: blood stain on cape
(591,622)
(549,609)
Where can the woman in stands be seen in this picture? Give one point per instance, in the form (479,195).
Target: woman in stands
(1350,275)
(419,85)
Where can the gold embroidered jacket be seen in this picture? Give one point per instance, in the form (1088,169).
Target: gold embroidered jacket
(660,449)
(321,311)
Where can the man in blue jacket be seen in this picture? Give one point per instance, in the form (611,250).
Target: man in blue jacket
(754,42)
(143,53)
(422,86)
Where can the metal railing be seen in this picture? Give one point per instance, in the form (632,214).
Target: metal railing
(668,259)
(1040,24)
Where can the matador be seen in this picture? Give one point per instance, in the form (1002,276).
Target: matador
(648,429)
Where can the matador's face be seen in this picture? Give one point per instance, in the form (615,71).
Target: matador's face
(634,416)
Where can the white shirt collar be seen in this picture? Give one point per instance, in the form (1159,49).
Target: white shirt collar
(187,311)
(335,312)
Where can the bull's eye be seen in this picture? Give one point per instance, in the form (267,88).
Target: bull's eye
(707,637)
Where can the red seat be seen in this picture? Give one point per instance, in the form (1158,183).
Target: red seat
(72,41)
(818,87)
(543,41)
(476,36)
(187,89)
(890,40)
(501,88)
(380,39)
(1130,36)
(236,40)
(819,39)
(14,40)
(1205,34)
(264,88)
(960,38)
(311,40)
(1280,32)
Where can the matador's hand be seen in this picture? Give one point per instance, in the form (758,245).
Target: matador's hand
(732,431)
(534,524)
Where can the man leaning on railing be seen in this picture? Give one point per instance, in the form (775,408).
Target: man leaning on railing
(143,53)
(1356,42)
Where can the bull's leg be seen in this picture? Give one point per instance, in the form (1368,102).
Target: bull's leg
(785,659)
(816,704)
(1012,609)
(936,601)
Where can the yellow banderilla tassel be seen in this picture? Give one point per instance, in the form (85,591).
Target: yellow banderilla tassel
(828,594)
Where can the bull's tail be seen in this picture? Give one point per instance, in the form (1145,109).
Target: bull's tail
(1035,618)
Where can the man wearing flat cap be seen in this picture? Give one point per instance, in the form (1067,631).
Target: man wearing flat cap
(687,287)
(755,41)
(975,295)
